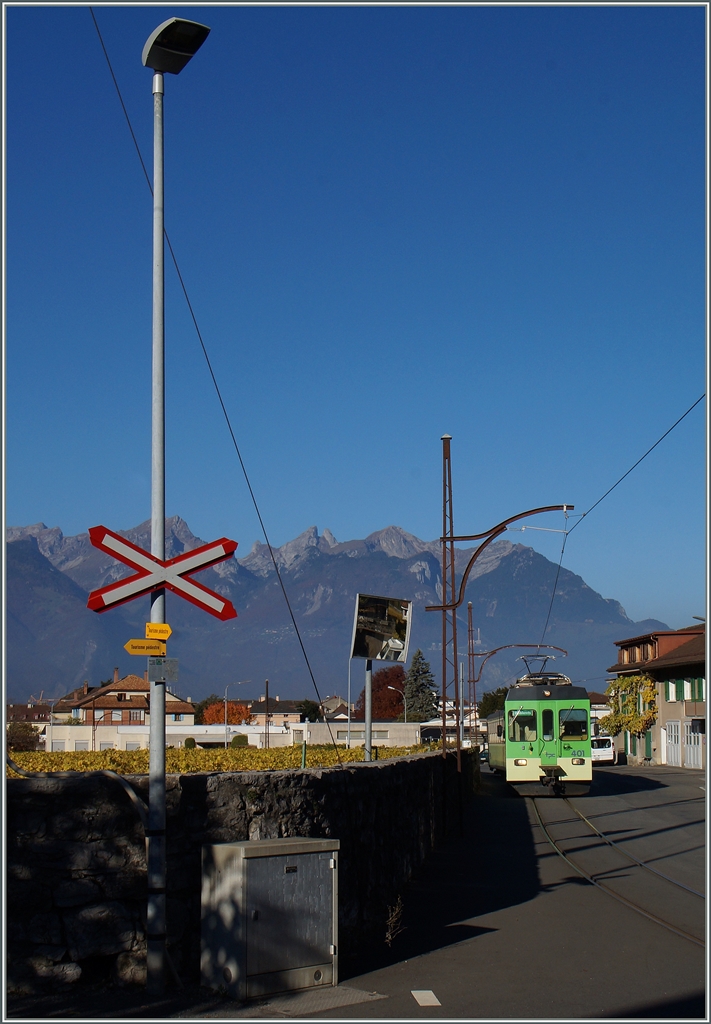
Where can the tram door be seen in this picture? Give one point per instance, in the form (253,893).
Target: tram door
(549,737)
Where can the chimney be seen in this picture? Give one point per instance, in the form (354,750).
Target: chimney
(116,675)
(277,697)
(86,687)
(145,677)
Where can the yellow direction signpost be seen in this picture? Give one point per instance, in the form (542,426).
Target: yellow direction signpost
(146,647)
(157,631)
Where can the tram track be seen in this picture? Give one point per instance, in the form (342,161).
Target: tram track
(683,907)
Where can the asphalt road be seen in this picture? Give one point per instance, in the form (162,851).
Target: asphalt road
(499,926)
(518,934)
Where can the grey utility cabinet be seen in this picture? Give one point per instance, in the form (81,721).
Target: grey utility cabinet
(269,916)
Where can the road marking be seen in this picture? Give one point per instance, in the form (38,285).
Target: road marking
(425,997)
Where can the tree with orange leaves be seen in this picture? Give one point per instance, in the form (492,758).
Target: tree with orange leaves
(237,714)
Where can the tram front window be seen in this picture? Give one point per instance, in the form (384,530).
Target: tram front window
(522,725)
(574,724)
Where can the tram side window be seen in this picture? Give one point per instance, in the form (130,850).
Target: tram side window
(547,723)
(574,724)
(522,725)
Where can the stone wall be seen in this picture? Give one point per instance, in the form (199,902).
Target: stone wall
(76,867)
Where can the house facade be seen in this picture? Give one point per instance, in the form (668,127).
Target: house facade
(281,713)
(115,716)
(676,661)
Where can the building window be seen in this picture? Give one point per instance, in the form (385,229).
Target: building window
(135,716)
(116,716)
(57,745)
(98,716)
(76,712)
(133,746)
(176,718)
(106,746)
(81,745)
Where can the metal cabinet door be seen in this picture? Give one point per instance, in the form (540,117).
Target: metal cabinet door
(289,912)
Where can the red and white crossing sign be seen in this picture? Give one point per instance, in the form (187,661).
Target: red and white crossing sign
(153,574)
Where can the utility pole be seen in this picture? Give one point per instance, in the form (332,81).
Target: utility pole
(449,610)
(451,599)
(472,678)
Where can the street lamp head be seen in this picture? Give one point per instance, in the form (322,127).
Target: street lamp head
(172,44)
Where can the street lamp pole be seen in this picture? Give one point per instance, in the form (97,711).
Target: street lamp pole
(404,698)
(168,49)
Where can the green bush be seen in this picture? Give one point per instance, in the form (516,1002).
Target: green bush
(240,740)
(189,743)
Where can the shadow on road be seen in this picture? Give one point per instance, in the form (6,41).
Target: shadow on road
(492,865)
(690,1007)
(616,781)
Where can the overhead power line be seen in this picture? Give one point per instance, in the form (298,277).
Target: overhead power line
(665,434)
(609,491)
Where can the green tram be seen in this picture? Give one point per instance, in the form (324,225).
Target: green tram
(541,740)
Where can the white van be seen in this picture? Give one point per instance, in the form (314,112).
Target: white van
(602,750)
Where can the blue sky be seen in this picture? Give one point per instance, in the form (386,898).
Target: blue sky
(393,223)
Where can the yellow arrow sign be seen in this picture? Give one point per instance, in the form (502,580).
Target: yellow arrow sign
(157,631)
(150,647)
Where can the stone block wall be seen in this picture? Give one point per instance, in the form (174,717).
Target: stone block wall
(76,866)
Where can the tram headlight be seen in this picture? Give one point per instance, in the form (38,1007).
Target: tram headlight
(578,760)
(520,761)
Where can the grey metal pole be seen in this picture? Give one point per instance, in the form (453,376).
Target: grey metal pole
(155,835)
(348,744)
(460,723)
(266,717)
(368,732)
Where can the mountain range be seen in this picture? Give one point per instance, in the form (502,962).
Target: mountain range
(54,642)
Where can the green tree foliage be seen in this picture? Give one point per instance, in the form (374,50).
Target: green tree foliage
(189,743)
(633,705)
(240,740)
(387,704)
(310,710)
(492,701)
(22,736)
(200,708)
(420,690)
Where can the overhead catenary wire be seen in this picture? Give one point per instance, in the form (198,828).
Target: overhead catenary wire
(609,491)
(217,389)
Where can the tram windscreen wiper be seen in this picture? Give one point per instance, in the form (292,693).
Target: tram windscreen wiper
(567,716)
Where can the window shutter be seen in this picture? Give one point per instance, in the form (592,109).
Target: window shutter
(666,691)
(679,689)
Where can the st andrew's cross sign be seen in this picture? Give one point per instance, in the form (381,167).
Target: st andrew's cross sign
(154,574)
